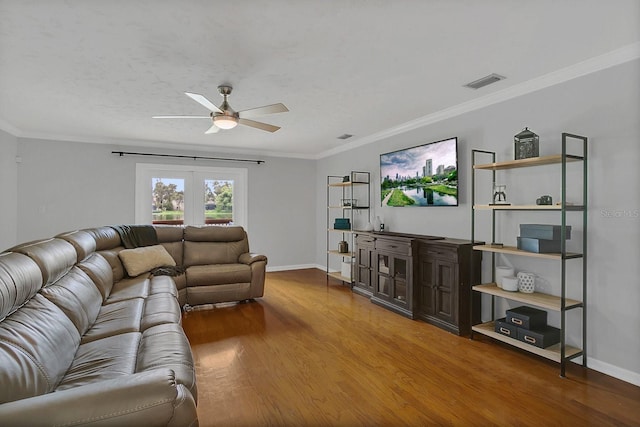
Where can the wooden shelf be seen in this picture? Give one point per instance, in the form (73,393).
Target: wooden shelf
(347,184)
(528,207)
(552,353)
(523,163)
(337,275)
(538,299)
(348,207)
(342,254)
(340,230)
(512,250)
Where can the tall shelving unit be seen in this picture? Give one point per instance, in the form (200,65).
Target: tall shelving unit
(561,352)
(345,199)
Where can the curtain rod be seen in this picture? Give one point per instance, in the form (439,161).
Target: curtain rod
(177,156)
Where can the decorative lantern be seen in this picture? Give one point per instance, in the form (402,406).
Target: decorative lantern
(526,144)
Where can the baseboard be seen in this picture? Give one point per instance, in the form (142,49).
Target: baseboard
(293,267)
(614,371)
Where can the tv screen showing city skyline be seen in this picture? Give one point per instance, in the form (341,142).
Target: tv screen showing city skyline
(425,175)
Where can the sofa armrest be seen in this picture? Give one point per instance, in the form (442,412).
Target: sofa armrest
(150,398)
(249,258)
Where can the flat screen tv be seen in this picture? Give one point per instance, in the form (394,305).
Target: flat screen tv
(425,175)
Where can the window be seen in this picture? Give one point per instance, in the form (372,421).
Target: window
(191,195)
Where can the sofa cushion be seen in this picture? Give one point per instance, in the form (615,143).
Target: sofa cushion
(20,279)
(160,309)
(117,318)
(105,237)
(176,251)
(139,260)
(100,272)
(166,346)
(37,346)
(215,233)
(82,242)
(170,236)
(102,359)
(204,253)
(218,274)
(55,257)
(133,287)
(77,297)
(163,285)
(169,233)
(117,269)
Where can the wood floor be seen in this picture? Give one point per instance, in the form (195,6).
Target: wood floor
(312,354)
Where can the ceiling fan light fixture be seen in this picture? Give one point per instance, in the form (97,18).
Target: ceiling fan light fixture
(225,122)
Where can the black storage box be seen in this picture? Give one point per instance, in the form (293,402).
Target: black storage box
(540,337)
(544,231)
(505,328)
(527,317)
(541,246)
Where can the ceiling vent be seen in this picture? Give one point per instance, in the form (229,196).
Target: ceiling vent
(345,136)
(484,81)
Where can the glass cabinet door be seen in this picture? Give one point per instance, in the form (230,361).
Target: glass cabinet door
(400,279)
(400,268)
(384,267)
(384,284)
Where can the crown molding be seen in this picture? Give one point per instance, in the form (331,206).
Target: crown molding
(158,145)
(611,59)
(9,128)
(616,57)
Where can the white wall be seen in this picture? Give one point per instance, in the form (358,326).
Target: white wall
(605,106)
(9,185)
(66,186)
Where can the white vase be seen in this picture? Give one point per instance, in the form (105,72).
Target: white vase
(501,272)
(376,224)
(510,283)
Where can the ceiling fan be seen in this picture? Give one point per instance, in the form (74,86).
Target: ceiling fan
(224,117)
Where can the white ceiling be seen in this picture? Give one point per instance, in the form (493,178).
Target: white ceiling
(96,71)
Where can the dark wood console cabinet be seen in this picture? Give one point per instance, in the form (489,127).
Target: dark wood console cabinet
(444,284)
(423,277)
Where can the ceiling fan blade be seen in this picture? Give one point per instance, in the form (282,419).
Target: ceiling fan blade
(258,125)
(267,109)
(212,129)
(181,117)
(203,101)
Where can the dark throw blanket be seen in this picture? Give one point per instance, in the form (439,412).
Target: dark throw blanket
(134,236)
(169,270)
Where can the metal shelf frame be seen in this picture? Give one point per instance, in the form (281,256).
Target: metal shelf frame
(347,191)
(562,353)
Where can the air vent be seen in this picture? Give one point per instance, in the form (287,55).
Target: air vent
(484,81)
(345,136)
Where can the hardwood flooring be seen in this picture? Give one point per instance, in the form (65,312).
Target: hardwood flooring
(314,354)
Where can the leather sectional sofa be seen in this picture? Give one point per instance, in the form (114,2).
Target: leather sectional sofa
(84,342)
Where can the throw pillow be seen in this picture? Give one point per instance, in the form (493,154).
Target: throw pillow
(140,260)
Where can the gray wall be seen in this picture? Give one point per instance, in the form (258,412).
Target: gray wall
(9,185)
(604,106)
(66,186)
